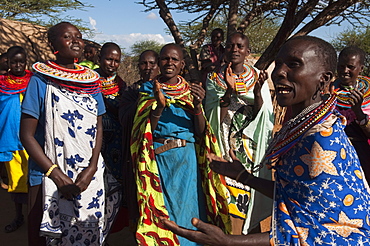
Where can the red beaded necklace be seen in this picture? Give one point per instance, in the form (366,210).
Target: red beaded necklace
(11,84)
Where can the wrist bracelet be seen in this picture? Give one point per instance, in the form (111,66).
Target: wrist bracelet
(156,116)
(47,174)
(223,103)
(199,113)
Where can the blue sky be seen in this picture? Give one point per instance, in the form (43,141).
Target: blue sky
(125,22)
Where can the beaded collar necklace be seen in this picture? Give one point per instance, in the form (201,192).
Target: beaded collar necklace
(176,90)
(109,85)
(295,128)
(11,84)
(81,79)
(363,84)
(241,83)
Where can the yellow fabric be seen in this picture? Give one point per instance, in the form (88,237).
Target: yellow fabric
(150,198)
(17,170)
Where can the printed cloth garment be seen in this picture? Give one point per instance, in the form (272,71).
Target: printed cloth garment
(355,133)
(246,135)
(17,170)
(70,132)
(112,87)
(321,195)
(11,89)
(178,183)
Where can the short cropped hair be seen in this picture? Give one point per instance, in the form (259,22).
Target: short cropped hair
(177,46)
(14,50)
(353,51)
(243,36)
(324,50)
(54,31)
(109,45)
(155,54)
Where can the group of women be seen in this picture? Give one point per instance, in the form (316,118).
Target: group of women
(88,135)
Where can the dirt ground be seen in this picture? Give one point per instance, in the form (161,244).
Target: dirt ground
(19,237)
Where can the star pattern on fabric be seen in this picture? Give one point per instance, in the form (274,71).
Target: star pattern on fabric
(345,226)
(320,160)
(303,235)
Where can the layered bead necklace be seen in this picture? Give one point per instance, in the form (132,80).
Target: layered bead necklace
(177,90)
(362,84)
(241,85)
(294,129)
(11,84)
(110,87)
(81,79)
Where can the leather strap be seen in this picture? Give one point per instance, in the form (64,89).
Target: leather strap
(169,144)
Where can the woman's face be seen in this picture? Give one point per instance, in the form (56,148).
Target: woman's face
(109,61)
(148,66)
(68,43)
(236,49)
(349,68)
(170,63)
(298,73)
(17,64)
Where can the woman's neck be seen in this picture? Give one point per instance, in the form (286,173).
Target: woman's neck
(65,63)
(237,68)
(169,81)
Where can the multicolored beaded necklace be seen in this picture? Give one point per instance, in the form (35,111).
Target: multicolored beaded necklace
(11,84)
(81,79)
(362,84)
(109,86)
(295,128)
(180,89)
(241,83)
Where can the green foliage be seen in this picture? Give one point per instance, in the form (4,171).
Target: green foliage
(43,12)
(260,32)
(359,37)
(138,47)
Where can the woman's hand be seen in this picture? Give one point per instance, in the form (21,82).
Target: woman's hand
(223,167)
(198,93)
(84,178)
(263,76)
(229,78)
(161,100)
(65,184)
(206,234)
(356,102)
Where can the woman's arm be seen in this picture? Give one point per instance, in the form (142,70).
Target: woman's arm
(36,153)
(236,170)
(208,234)
(362,119)
(84,178)
(258,100)
(161,104)
(199,121)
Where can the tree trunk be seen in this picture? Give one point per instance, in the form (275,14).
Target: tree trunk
(285,30)
(233,17)
(167,18)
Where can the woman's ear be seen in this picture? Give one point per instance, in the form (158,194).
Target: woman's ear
(326,81)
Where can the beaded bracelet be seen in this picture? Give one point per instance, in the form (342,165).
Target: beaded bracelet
(47,174)
(366,125)
(199,113)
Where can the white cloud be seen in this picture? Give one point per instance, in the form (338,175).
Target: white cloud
(152,16)
(92,23)
(126,40)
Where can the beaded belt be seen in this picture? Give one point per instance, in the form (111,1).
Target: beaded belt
(168,144)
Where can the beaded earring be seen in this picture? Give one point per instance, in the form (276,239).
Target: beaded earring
(55,52)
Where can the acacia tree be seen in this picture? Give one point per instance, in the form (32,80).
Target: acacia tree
(299,17)
(42,12)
